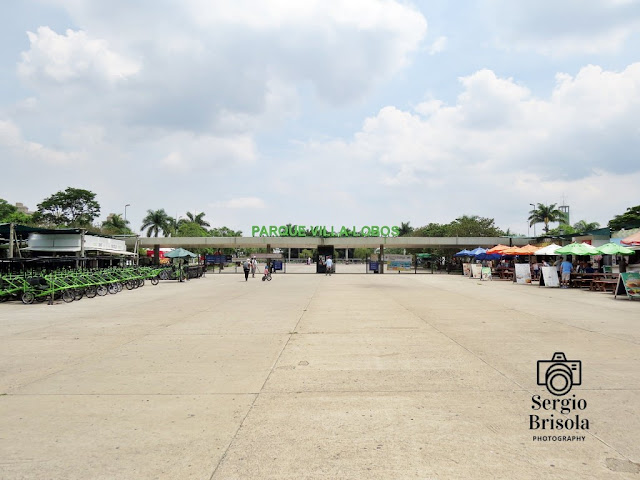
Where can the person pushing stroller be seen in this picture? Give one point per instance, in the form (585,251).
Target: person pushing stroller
(267,273)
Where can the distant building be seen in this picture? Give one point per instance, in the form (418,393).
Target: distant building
(565,210)
(22,208)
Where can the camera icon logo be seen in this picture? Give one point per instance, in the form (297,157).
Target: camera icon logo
(559,375)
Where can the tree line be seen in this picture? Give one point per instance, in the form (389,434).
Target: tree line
(78,208)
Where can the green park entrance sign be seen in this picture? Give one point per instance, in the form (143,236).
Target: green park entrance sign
(323,231)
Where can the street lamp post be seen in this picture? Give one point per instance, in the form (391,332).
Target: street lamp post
(125,212)
(534,225)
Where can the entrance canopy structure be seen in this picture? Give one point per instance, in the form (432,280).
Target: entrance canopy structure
(336,242)
(325,245)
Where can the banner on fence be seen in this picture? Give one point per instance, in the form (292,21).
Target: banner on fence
(398,263)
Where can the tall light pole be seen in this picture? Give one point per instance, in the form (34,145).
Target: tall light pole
(125,212)
(534,225)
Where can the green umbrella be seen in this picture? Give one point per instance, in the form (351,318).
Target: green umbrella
(614,249)
(180,253)
(577,249)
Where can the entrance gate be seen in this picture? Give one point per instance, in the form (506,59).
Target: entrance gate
(324,251)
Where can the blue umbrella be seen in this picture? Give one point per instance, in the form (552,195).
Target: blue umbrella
(463,253)
(478,251)
(488,256)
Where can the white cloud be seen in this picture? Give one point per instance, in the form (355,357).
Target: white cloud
(174,161)
(240,203)
(188,152)
(497,123)
(438,45)
(501,143)
(232,65)
(33,154)
(72,57)
(560,29)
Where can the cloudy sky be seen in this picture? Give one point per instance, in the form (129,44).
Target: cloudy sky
(355,112)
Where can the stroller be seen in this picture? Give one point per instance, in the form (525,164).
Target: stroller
(267,274)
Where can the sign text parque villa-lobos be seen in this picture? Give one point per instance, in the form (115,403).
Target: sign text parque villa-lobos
(323,231)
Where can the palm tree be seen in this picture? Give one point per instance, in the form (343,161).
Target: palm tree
(173,225)
(116,224)
(198,219)
(546,214)
(156,221)
(583,226)
(405,229)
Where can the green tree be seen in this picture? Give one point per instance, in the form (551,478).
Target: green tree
(18,218)
(10,214)
(198,219)
(584,226)
(156,221)
(473,226)
(562,229)
(405,229)
(225,232)
(362,253)
(628,219)
(6,209)
(430,230)
(73,207)
(173,225)
(116,225)
(546,214)
(191,229)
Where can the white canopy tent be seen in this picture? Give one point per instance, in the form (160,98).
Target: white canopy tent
(548,250)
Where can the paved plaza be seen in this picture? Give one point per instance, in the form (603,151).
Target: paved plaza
(356,376)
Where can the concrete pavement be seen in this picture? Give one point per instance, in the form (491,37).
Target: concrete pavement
(311,377)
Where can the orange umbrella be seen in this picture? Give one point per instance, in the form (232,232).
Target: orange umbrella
(509,251)
(633,240)
(526,250)
(498,248)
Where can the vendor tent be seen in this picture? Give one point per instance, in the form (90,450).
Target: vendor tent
(578,249)
(548,250)
(498,248)
(614,249)
(526,250)
(488,256)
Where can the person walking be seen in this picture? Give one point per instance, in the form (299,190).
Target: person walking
(245,267)
(254,267)
(566,267)
(328,264)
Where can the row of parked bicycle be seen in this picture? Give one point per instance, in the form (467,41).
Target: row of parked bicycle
(70,285)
